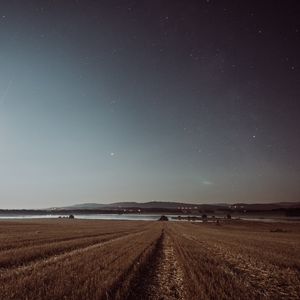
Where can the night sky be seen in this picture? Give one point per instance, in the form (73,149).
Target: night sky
(106,101)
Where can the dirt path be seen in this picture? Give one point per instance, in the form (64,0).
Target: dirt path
(163,279)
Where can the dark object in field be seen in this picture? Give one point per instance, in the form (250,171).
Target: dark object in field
(71,217)
(163,218)
(204,218)
(228,216)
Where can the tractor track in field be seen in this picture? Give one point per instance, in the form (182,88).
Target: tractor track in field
(267,278)
(53,259)
(162,278)
(42,242)
(46,250)
(51,248)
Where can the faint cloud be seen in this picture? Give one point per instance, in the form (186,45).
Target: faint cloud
(206,182)
(5,92)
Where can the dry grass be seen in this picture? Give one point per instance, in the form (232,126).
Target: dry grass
(16,234)
(239,261)
(67,238)
(89,272)
(76,259)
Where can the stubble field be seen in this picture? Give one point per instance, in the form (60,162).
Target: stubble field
(84,259)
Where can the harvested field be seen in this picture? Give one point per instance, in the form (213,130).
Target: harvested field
(84,259)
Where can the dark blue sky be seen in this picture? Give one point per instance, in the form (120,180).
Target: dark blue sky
(192,101)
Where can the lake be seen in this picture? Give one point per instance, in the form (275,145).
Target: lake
(135,217)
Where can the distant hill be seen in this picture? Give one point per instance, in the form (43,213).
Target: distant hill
(175,205)
(265,206)
(83,206)
(152,204)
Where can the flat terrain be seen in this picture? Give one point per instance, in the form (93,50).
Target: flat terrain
(85,259)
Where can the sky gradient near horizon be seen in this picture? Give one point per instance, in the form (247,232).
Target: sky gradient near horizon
(108,101)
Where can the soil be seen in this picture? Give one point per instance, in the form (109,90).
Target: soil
(163,279)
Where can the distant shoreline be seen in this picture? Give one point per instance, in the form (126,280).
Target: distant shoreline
(154,217)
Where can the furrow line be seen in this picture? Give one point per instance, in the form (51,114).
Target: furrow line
(56,258)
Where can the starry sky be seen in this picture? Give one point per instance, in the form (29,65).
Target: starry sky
(118,100)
